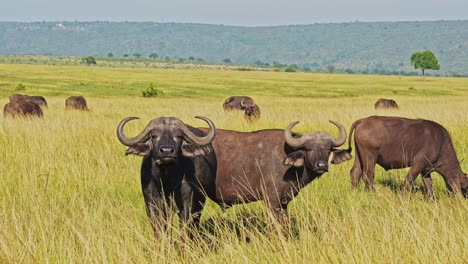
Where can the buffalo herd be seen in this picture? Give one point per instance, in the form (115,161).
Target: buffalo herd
(187,165)
(21,105)
(229,167)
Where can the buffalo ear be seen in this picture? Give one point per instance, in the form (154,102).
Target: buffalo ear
(190,150)
(141,149)
(295,159)
(341,155)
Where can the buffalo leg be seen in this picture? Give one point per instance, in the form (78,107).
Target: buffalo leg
(356,172)
(368,167)
(157,206)
(418,167)
(427,180)
(190,203)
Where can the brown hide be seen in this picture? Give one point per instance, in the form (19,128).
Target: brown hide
(76,102)
(22,108)
(39,100)
(385,104)
(259,165)
(396,142)
(243,103)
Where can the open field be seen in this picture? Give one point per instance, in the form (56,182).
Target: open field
(70,195)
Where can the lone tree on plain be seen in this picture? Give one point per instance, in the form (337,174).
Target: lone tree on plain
(424,60)
(89,60)
(153,55)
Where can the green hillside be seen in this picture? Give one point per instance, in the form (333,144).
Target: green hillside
(357,46)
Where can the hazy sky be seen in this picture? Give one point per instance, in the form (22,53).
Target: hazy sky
(234,12)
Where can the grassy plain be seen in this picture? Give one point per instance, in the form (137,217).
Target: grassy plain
(69,194)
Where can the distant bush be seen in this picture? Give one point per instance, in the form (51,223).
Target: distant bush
(289,69)
(244,69)
(152,91)
(20,87)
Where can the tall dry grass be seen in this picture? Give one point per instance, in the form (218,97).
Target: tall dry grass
(69,194)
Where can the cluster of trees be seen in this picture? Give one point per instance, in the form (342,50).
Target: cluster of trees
(423,60)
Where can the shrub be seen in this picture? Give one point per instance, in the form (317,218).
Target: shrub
(20,87)
(152,91)
(289,69)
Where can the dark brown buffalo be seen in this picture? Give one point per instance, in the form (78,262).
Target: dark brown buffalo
(271,165)
(22,108)
(76,102)
(385,104)
(178,163)
(243,103)
(39,100)
(396,142)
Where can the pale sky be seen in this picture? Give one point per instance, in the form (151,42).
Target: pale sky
(234,12)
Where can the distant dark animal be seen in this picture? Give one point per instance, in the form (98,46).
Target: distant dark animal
(179,163)
(39,100)
(22,108)
(396,142)
(243,103)
(76,102)
(385,104)
(270,165)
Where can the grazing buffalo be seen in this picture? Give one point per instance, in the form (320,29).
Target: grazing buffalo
(22,108)
(385,104)
(244,103)
(178,163)
(396,142)
(39,100)
(76,102)
(271,165)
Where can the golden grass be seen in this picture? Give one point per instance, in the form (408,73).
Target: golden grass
(70,195)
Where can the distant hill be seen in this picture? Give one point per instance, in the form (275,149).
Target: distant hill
(356,46)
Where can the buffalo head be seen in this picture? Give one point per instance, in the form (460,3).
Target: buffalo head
(313,149)
(166,138)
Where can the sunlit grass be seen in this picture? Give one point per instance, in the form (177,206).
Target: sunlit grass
(70,195)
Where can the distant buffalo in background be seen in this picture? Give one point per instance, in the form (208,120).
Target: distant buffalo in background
(39,100)
(76,102)
(243,103)
(383,103)
(22,108)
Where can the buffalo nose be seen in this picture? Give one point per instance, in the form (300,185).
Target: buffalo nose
(166,149)
(322,165)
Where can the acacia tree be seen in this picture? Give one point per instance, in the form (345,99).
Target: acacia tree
(88,60)
(424,60)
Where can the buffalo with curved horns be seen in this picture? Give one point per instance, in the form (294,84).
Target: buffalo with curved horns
(270,165)
(385,104)
(76,102)
(397,142)
(243,103)
(22,108)
(178,163)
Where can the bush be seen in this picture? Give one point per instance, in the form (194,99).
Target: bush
(152,91)
(289,69)
(20,87)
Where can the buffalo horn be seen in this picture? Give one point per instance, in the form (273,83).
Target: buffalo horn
(290,140)
(200,141)
(342,138)
(132,141)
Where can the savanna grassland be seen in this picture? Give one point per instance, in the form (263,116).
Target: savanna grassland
(69,194)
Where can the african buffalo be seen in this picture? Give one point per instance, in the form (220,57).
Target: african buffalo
(178,163)
(271,165)
(244,103)
(22,108)
(385,104)
(76,102)
(39,100)
(396,142)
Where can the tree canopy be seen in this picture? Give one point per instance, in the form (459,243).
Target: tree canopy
(424,60)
